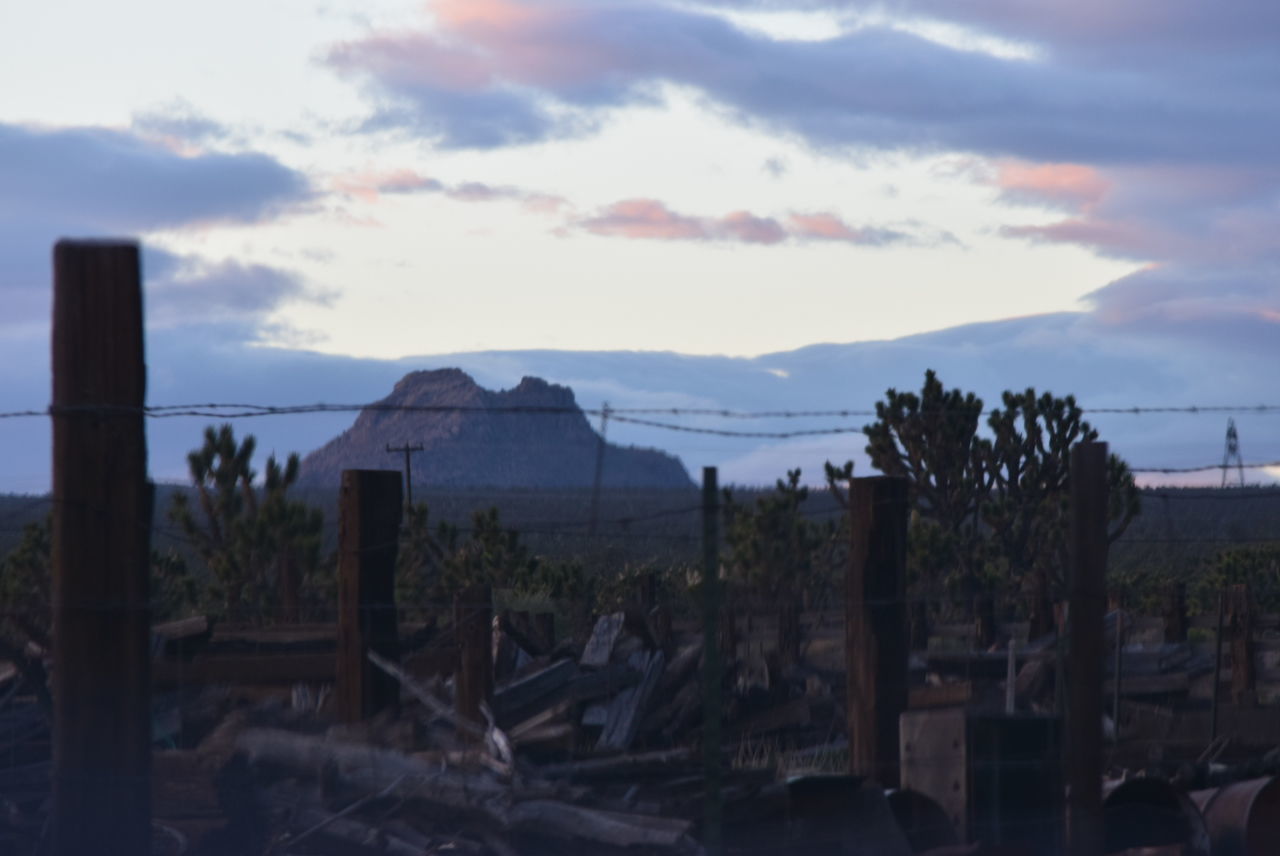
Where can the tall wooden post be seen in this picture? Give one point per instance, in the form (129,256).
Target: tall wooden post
(1243,669)
(473,628)
(712,831)
(876,643)
(368,539)
(1088,600)
(101,546)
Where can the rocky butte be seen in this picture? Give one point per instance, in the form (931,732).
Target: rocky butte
(494,439)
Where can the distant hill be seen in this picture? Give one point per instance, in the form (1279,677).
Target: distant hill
(499,439)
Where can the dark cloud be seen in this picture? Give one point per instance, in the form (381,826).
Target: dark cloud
(97,182)
(492,79)
(185,290)
(98,178)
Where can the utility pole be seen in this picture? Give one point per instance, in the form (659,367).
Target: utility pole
(408,471)
(595,485)
(1232,453)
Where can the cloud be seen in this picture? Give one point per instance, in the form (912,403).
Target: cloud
(645,218)
(185,290)
(1235,309)
(179,127)
(1148,123)
(99,178)
(97,182)
(370,185)
(824,226)
(650,219)
(525,71)
(1074,185)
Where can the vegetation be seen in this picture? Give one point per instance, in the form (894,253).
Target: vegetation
(988,533)
(259,545)
(991,512)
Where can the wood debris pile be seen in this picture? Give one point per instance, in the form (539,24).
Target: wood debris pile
(584,748)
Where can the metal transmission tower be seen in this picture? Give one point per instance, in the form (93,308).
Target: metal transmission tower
(1232,453)
(408,471)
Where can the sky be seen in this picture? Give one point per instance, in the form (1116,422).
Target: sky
(329,193)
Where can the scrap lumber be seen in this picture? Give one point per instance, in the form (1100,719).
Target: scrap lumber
(619,766)
(599,648)
(475,795)
(516,696)
(628,707)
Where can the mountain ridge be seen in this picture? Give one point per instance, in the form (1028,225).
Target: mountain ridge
(532,435)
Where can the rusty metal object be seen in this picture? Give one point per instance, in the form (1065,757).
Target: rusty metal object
(1243,818)
(923,820)
(1143,813)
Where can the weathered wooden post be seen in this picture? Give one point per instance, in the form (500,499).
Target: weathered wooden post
(1088,600)
(473,627)
(1175,612)
(712,832)
(101,546)
(1243,668)
(368,540)
(876,643)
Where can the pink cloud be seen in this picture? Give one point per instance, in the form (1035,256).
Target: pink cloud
(650,219)
(645,218)
(1069,183)
(747,227)
(823,226)
(1126,239)
(368,185)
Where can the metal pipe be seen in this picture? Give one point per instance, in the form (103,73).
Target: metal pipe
(1243,818)
(1148,812)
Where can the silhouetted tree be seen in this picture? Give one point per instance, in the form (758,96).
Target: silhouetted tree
(258,544)
(992,511)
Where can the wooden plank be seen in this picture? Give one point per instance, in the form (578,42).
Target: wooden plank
(876,646)
(514,698)
(603,637)
(101,552)
(1088,601)
(368,536)
(628,707)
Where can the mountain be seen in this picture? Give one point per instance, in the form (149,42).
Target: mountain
(531,436)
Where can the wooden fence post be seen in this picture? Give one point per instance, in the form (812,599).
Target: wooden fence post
(1175,612)
(101,554)
(473,627)
(1088,599)
(712,833)
(368,540)
(1243,667)
(876,644)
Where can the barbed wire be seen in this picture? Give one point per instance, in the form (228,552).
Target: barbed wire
(241,410)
